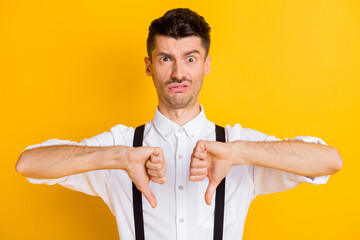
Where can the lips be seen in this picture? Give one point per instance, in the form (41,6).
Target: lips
(179,87)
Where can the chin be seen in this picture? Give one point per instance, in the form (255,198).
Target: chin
(180,104)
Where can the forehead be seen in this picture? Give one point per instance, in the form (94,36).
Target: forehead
(178,46)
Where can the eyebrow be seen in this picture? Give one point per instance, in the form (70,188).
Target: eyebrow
(191,52)
(164,54)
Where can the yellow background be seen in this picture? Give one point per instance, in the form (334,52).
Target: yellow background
(73,69)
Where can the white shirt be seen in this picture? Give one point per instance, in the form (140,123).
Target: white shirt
(181,212)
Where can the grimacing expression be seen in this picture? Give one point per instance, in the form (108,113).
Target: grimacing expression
(178,68)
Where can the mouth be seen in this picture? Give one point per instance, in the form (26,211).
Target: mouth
(179,87)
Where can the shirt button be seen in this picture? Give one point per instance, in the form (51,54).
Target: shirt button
(181,220)
(193,136)
(181,187)
(180,156)
(179,130)
(166,135)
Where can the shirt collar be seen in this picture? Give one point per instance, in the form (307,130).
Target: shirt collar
(192,128)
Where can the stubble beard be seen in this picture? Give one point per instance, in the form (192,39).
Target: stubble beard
(178,102)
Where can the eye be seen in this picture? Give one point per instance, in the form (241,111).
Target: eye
(165,59)
(190,59)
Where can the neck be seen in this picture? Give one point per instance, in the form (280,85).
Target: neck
(182,115)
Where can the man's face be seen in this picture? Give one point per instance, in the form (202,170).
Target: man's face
(178,68)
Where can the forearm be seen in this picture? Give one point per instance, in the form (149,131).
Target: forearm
(63,160)
(307,159)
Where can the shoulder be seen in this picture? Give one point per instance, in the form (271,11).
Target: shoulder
(123,135)
(238,133)
(117,135)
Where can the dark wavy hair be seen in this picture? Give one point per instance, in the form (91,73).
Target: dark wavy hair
(178,23)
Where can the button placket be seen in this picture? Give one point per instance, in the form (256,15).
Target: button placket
(180,183)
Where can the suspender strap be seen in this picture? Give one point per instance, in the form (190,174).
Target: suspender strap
(220,194)
(219,197)
(137,196)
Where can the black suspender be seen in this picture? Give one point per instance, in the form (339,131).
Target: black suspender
(137,200)
(219,196)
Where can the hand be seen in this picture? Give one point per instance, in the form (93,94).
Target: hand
(145,164)
(213,160)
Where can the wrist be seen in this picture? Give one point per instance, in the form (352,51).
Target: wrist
(118,157)
(238,153)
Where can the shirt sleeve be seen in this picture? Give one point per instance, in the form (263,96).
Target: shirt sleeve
(93,182)
(268,180)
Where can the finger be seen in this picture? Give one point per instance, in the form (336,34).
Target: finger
(197,163)
(156,158)
(209,194)
(156,151)
(159,180)
(159,152)
(197,178)
(149,195)
(153,166)
(200,155)
(200,146)
(162,159)
(153,173)
(198,171)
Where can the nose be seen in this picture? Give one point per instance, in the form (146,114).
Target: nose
(178,71)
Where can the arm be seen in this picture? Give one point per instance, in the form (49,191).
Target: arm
(214,159)
(307,159)
(142,164)
(63,160)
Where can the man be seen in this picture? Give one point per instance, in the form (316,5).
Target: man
(180,164)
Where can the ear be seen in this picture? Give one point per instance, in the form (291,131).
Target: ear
(207,65)
(147,66)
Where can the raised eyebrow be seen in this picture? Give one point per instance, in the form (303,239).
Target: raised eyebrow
(164,54)
(191,52)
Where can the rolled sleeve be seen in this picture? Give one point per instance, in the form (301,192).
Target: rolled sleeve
(51,142)
(312,180)
(269,180)
(93,183)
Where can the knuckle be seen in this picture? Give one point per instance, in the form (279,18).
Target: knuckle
(193,166)
(155,180)
(194,160)
(163,180)
(156,174)
(159,150)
